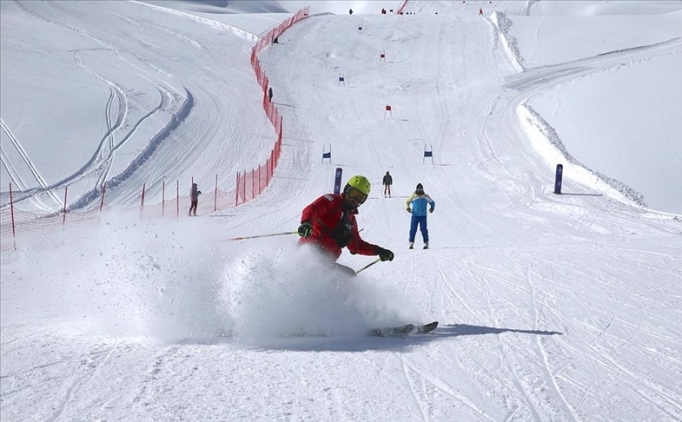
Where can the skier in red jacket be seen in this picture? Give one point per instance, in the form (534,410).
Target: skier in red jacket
(329,223)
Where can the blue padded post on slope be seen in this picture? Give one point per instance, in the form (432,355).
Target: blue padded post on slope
(327,155)
(428,154)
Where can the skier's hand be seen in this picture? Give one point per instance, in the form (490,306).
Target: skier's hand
(409,209)
(431,210)
(305,229)
(384,254)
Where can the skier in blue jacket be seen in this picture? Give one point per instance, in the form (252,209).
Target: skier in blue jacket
(417,204)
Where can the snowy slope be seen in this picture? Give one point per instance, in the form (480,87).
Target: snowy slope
(551,307)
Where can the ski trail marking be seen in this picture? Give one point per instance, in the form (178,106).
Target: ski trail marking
(24,156)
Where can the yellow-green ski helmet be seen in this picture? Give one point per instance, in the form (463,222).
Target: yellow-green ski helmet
(358,188)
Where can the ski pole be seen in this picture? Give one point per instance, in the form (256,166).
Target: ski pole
(367,266)
(262,235)
(269,235)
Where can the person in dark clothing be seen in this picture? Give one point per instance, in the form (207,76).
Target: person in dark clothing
(388,181)
(194,198)
(270,94)
(329,224)
(350,12)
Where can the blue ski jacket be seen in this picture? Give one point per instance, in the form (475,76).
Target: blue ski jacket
(419,204)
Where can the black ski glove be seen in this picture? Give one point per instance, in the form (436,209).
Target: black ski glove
(384,254)
(305,229)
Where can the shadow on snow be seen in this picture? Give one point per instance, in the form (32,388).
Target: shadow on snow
(454,330)
(364,343)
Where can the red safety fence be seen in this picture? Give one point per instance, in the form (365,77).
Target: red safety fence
(14,220)
(250,184)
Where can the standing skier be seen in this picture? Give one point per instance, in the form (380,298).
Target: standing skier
(194,198)
(417,205)
(388,181)
(329,223)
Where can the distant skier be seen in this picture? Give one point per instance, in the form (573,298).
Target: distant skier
(417,204)
(350,12)
(329,223)
(388,181)
(270,94)
(194,198)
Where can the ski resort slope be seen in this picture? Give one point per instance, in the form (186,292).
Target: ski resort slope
(551,307)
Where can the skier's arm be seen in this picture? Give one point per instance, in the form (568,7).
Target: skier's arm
(431,202)
(359,246)
(409,202)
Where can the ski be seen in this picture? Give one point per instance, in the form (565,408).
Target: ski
(403,330)
(427,328)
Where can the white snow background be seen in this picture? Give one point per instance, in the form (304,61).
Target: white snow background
(551,307)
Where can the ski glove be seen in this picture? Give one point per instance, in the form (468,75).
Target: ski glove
(409,209)
(384,254)
(305,229)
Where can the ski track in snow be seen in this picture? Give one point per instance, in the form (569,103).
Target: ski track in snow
(25,160)
(102,160)
(92,364)
(568,409)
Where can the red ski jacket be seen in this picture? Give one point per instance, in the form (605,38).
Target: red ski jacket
(327,216)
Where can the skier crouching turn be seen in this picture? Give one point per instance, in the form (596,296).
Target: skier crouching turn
(329,223)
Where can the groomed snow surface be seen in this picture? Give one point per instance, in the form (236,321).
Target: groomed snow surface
(551,307)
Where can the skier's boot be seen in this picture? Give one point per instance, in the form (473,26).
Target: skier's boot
(411,245)
(426,245)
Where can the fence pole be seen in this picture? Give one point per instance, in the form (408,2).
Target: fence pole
(101,203)
(163,199)
(236,191)
(144,189)
(66,189)
(268,169)
(11,210)
(215,196)
(272,163)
